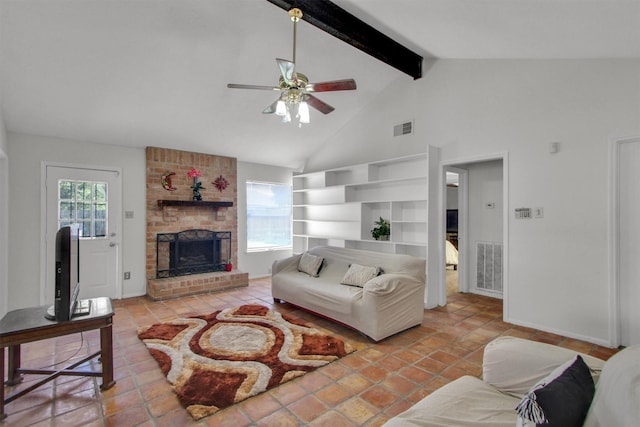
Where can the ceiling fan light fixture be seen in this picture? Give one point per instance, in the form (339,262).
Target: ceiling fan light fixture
(281,108)
(287,116)
(303,112)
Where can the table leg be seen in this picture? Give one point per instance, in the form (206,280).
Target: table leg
(13,377)
(106,349)
(2,414)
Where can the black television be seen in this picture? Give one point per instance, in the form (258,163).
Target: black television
(67,282)
(452,220)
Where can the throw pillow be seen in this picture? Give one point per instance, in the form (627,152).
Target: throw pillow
(358,275)
(310,264)
(561,399)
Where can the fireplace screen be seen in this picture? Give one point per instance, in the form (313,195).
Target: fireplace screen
(192,252)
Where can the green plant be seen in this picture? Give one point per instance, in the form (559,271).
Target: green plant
(382,228)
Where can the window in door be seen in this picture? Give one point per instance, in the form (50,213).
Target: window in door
(83,203)
(268,216)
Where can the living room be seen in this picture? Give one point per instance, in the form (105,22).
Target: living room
(558,269)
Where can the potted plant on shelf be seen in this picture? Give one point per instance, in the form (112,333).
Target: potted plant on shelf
(382,230)
(229,265)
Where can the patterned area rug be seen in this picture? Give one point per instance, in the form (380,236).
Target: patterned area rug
(222,358)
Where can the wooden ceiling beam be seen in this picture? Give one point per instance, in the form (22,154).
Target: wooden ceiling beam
(341,24)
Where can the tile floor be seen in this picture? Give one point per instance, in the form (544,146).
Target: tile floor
(362,389)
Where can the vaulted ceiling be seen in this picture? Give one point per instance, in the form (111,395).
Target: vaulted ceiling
(154,72)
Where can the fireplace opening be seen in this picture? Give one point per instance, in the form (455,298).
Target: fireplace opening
(192,252)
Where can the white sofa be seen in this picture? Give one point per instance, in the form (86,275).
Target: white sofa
(385,305)
(511,367)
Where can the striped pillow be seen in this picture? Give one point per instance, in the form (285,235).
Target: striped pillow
(358,275)
(310,264)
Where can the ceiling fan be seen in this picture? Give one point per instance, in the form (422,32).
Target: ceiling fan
(294,87)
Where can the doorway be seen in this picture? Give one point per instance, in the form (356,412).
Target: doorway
(455,222)
(481,203)
(92,199)
(626,235)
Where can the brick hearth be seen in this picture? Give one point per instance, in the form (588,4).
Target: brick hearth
(172,218)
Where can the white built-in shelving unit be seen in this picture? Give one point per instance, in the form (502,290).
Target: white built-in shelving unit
(338,207)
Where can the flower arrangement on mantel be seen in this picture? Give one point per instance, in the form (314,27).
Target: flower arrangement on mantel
(195,174)
(382,230)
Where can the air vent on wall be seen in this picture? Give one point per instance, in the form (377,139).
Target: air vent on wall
(403,129)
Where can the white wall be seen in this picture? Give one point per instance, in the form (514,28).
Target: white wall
(557,273)
(26,153)
(257,264)
(4,220)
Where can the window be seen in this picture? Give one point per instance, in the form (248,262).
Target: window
(268,216)
(83,203)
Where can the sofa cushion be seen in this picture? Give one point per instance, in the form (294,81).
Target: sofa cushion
(465,402)
(617,399)
(562,399)
(505,356)
(310,264)
(358,275)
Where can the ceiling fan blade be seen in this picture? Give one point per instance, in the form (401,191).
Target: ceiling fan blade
(271,108)
(347,84)
(240,86)
(287,69)
(321,106)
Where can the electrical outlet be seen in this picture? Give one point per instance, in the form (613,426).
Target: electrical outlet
(269,270)
(538,212)
(127,275)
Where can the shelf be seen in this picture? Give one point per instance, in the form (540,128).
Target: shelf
(340,206)
(200,203)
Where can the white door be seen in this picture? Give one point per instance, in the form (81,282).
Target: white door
(91,198)
(629,241)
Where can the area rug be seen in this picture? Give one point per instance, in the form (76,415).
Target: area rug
(219,359)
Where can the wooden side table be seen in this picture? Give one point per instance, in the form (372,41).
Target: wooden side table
(29,324)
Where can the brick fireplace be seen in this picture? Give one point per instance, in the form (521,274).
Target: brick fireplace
(171,209)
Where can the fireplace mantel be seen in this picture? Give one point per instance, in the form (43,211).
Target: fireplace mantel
(202,203)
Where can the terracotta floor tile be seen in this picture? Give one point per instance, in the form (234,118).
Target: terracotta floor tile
(333,394)
(308,408)
(229,417)
(163,405)
(130,417)
(374,373)
(357,410)
(177,417)
(392,363)
(379,396)
(314,381)
(288,393)
(415,374)
(408,356)
(281,418)
(399,384)
(336,370)
(355,383)
(431,365)
(260,406)
(355,361)
(444,357)
(331,419)
(87,415)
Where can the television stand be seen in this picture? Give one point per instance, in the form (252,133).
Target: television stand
(29,324)
(82,308)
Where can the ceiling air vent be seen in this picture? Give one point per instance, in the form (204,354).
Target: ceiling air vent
(403,129)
